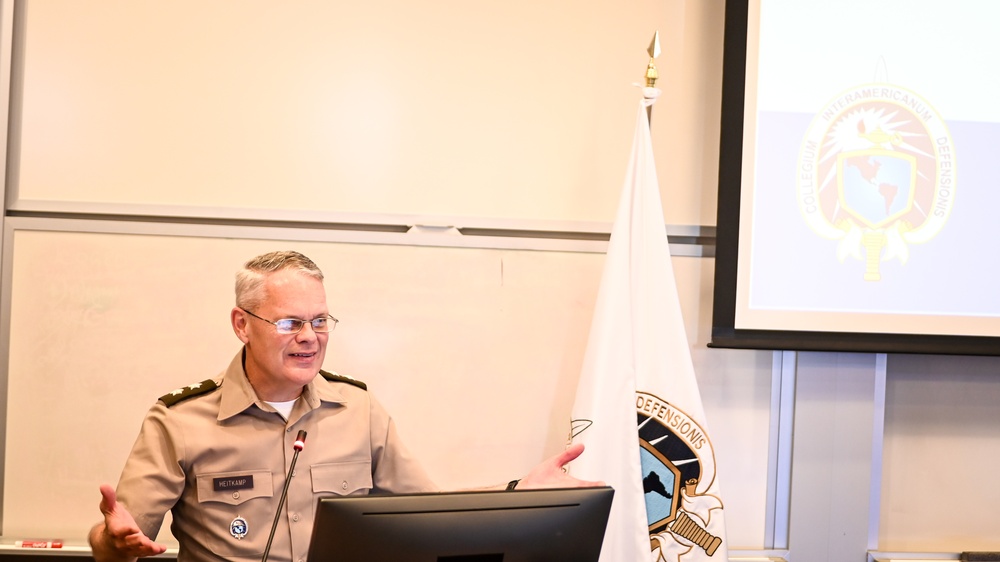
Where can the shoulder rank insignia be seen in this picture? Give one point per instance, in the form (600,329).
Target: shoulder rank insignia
(334,377)
(182,394)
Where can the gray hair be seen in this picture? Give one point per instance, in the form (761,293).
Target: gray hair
(250,279)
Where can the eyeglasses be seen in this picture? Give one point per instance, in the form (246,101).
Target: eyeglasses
(321,325)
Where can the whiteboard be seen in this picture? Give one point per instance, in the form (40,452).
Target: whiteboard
(510,110)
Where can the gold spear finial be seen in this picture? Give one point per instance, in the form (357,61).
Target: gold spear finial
(654,51)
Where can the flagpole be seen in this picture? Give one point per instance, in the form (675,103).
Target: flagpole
(638,408)
(651,73)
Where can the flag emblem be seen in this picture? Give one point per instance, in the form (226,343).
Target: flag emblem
(678,467)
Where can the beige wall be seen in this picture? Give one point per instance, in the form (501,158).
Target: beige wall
(511,114)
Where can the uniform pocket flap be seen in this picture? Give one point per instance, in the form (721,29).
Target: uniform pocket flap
(342,478)
(234,488)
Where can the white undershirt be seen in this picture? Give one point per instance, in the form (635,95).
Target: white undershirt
(284,408)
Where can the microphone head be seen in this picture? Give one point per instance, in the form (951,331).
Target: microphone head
(300,441)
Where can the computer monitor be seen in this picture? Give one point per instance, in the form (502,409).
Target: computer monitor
(552,525)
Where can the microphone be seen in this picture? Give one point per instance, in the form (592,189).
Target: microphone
(298,445)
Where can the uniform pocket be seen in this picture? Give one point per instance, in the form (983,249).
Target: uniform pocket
(342,478)
(238,510)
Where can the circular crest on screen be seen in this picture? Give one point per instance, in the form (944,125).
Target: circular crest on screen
(876,171)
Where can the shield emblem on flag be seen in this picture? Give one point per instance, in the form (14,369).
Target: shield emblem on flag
(668,463)
(661,486)
(876,186)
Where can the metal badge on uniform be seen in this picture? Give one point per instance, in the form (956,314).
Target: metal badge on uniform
(238,528)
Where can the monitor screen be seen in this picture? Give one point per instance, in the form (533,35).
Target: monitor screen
(518,526)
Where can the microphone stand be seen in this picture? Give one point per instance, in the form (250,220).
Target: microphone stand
(300,443)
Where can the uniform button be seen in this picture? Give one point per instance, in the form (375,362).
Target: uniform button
(344,485)
(293,472)
(295,517)
(236,495)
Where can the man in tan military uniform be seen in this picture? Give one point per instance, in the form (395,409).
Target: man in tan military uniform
(216,453)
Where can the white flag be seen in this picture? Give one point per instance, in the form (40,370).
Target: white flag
(638,409)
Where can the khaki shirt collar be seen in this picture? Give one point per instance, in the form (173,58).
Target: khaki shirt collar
(238,395)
